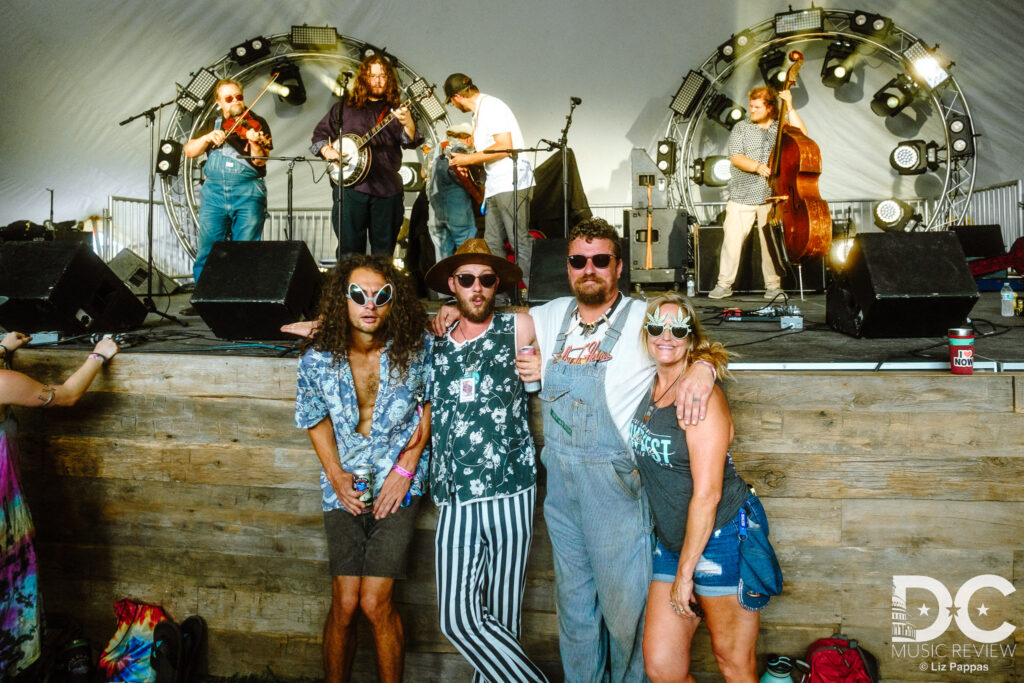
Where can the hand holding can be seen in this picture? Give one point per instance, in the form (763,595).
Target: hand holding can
(529,387)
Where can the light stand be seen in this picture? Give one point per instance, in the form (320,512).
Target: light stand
(150,115)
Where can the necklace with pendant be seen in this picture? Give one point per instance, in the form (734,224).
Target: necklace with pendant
(654,402)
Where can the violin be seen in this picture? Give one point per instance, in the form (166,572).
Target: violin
(241,125)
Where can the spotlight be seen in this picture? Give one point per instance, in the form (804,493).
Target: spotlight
(689,94)
(411,173)
(872,25)
(250,51)
(422,92)
(835,70)
(773,68)
(894,96)
(370,50)
(925,66)
(724,111)
(198,89)
(803,21)
(667,156)
(168,158)
(291,89)
(913,157)
(961,137)
(894,215)
(713,171)
(315,37)
(736,45)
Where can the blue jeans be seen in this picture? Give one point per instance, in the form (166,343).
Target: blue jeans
(381,217)
(233,205)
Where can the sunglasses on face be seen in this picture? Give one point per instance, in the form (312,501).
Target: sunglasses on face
(359,297)
(579,261)
(466,280)
(234,98)
(678,332)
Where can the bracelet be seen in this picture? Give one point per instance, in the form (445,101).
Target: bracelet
(7,351)
(100,357)
(402,471)
(714,372)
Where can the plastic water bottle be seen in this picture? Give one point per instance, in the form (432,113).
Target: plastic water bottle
(1006,295)
(691,290)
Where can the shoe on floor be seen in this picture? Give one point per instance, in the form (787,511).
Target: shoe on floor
(188,311)
(720,292)
(774,292)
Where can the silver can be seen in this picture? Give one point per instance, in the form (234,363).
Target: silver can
(529,387)
(362,482)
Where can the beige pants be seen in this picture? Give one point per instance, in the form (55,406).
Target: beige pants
(739,218)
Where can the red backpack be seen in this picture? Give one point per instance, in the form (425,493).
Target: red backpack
(840,660)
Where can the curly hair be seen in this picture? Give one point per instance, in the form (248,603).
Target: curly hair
(768,95)
(597,228)
(361,89)
(700,346)
(403,326)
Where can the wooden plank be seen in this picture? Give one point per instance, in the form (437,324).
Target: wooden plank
(803,521)
(1018,393)
(964,526)
(874,568)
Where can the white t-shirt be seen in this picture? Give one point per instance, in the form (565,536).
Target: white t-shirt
(630,370)
(492,117)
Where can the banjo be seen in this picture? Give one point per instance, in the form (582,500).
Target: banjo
(356,156)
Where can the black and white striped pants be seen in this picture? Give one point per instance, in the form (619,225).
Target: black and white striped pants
(480,553)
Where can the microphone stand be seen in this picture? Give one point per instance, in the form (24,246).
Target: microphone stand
(289,231)
(339,188)
(563,145)
(150,115)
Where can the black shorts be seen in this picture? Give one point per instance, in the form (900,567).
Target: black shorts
(359,545)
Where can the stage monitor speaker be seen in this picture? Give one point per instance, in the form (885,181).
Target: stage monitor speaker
(133,270)
(62,286)
(980,241)
(898,284)
(549,270)
(669,245)
(247,290)
(749,277)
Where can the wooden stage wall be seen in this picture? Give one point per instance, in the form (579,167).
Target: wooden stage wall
(180,481)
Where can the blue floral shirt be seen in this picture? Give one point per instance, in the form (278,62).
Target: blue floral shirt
(326,390)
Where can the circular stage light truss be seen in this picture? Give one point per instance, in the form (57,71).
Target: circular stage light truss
(948,100)
(181,192)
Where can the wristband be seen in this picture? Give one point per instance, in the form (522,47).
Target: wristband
(100,357)
(714,372)
(7,351)
(402,471)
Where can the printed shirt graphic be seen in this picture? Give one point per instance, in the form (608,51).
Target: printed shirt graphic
(482,443)
(326,390)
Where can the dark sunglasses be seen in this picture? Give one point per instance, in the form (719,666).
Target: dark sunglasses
(466,280)
(680,332)
(359,298)
(579,261)
(234,98)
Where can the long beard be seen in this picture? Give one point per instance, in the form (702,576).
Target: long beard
(591,297)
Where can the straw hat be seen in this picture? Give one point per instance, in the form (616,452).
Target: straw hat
(473,251)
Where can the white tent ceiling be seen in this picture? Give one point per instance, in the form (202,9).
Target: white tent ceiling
(74,68)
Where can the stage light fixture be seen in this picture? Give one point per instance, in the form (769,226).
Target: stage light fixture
(913,157)
(724,111)
(895,215)
(961,137)
(369,50)
(924,66)
(431,106)
(736,45)
(773,65)
(894,96)
(290,87)
(666,158)
(250,51)
(835,70)
(168,158)
(689,93)
(802,21)
(872,25)
(411,173)
(194,95)
(713,171)
(314,37)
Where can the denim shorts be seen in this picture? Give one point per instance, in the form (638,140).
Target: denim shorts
(718,569)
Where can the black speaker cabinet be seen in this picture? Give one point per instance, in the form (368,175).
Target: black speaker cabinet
(749,277)
(549,270)
(902,285)
(62,286)
(247,290)
(670,251)
(133,270)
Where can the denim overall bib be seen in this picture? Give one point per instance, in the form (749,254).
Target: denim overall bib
(597,519)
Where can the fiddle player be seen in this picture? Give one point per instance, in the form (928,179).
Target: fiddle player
(233,200)
(375,204)
(750,149)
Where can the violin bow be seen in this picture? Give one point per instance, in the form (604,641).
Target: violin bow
(239,119)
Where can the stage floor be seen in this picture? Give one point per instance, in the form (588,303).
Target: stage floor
(758,345)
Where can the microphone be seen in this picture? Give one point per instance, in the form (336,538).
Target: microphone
(575,100)
(549,143)
(346,74)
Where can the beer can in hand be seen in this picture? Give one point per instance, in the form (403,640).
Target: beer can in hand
(362,482)
(529,387)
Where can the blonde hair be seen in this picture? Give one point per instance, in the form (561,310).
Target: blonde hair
(700,347)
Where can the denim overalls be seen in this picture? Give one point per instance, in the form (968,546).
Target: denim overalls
(597,518)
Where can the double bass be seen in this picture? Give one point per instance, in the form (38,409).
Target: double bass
(796,205)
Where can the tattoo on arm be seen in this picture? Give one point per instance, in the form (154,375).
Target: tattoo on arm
(46,394)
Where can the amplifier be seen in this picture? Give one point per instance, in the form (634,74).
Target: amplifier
(670,253)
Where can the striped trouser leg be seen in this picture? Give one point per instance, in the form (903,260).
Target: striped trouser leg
(480,553)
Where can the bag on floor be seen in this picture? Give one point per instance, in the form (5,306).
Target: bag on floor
(840,660)
(126,658)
